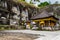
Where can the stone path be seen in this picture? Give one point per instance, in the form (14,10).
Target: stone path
(17,36)
(29,35)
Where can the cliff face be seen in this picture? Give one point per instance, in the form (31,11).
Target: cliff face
(55,8)
(16,11)
(24,11)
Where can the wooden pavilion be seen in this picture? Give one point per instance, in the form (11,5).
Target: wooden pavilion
(44,19)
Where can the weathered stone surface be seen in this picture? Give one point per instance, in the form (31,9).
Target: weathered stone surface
(16,36)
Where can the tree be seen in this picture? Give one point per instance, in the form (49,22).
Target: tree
(56,2)
(34,1)
(18,0)
(23,0)
(43,4)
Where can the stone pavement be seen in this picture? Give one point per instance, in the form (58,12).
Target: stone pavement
(32,34)
(6,35)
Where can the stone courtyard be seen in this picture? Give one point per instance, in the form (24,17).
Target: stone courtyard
(16,36)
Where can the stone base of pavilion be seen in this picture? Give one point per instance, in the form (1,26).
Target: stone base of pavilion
(49,28)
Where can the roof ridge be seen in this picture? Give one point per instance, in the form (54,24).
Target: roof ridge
(41,15)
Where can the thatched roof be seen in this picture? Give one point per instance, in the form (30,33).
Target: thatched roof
(44,14)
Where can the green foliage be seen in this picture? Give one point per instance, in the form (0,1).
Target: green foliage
(43,4)
(37,0)
(7,27)
(33,2)
(23,0)
(31,26)
(56,2)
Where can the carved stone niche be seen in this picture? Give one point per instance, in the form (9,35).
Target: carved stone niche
(15,9)
(14,22)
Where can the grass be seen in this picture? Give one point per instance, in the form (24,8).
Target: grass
(11,27)
(7,27)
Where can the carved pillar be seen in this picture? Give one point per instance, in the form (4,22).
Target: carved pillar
(21,9)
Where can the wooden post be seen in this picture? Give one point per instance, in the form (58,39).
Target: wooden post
(49,24)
